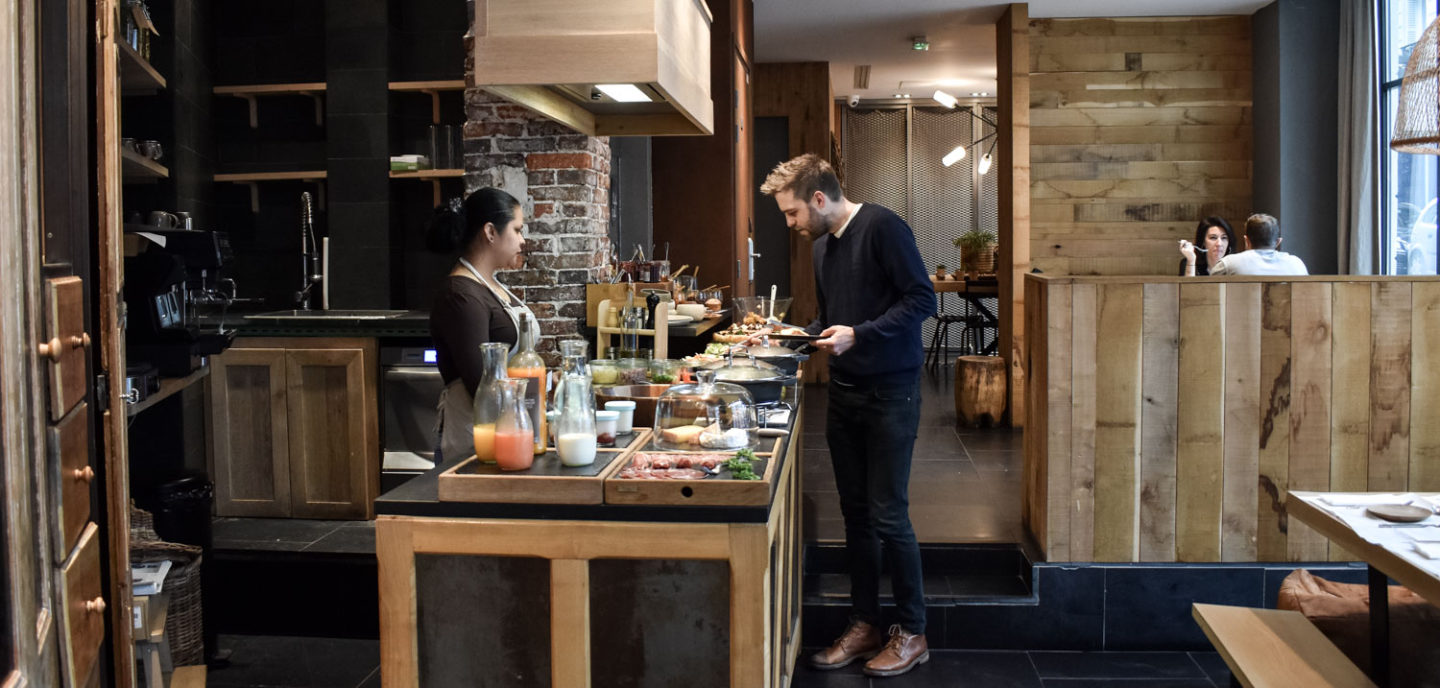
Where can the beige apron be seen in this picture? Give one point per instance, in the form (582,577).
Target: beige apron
(455,411)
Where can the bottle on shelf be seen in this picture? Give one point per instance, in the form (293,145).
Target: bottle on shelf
(487,398)
(528,365)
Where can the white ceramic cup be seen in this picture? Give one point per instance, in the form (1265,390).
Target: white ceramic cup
(694,310)
(625,422)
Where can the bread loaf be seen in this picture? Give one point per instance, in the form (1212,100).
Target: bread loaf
(685,434)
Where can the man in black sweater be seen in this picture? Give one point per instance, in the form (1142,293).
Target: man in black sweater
(874,293)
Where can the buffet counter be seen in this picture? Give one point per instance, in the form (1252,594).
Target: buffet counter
(1171,416)
(580,594)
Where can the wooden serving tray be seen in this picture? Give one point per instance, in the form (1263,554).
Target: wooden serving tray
(711,491)
(546,482)
(768,446)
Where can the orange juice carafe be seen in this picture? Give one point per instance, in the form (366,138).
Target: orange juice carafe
(487,398)
(526,364)
(514,436)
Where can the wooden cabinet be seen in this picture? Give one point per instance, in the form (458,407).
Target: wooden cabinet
(294,428)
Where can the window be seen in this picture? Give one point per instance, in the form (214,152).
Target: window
(1409,184)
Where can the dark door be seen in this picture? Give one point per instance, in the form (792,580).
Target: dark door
(772,238)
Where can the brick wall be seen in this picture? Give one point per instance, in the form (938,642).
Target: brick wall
(563,178)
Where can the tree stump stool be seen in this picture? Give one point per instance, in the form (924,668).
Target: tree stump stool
(979,389)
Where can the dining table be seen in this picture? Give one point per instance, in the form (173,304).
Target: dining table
(1402,551)
(973,292)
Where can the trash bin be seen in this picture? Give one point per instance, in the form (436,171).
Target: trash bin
(182,510)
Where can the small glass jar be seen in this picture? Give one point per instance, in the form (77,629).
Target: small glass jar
(607,425)
(605,372)
(625,422)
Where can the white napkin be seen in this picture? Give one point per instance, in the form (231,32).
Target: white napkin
(1358,500)
(1429,550)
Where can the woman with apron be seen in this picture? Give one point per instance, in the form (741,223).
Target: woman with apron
(473,307)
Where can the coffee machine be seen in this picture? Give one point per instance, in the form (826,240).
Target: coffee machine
(168,273)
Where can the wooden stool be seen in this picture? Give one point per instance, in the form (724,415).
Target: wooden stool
(979,389)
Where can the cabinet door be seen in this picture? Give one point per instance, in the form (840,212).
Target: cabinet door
(249,430)
(83,609)
(334,441)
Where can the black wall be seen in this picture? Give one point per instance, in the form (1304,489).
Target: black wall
(1296,132)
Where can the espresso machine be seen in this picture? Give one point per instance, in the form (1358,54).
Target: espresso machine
(169,273)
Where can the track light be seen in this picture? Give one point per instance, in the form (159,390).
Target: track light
(945,99)
(984,165)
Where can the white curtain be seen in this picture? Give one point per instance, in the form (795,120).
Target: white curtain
(1359,211)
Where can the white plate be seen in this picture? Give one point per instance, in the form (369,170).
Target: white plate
(680,319)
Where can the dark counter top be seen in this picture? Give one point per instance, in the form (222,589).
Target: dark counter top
(413,323)
(420,497)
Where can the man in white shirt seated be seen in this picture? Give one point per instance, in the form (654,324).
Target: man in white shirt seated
(1262,255)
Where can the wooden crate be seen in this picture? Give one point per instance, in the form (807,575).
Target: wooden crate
(710,491)
(546,482)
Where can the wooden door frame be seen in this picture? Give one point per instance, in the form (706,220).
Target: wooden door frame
(29,577)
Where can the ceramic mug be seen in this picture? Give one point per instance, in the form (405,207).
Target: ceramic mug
(160,218)
(151,149)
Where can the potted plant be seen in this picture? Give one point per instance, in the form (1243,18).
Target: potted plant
(940,273)
(977,251)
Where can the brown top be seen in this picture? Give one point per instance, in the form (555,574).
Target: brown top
(466,314)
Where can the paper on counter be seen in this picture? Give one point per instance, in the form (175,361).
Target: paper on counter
(1429,550)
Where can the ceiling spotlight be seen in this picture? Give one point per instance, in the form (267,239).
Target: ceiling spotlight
(983,94)
(945,99)
(975,94)
(919,43)
(953,156)
(905,95)
(984,165)
(623,93)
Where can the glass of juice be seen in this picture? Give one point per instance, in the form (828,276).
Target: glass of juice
(514,435)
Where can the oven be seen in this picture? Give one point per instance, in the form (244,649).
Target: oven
(409,389)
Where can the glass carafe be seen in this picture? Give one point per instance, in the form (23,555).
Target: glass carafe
(514,435)
(487,398)
(572,362)
(575,428)
(528,364)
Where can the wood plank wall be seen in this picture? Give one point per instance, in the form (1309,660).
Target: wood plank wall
(1170,416)
(1139,128)
(1012,45)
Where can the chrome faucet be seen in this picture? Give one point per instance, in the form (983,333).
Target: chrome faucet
(310,273)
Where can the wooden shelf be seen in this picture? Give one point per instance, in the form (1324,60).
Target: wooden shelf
(425,86)
(252,92)
(137,76)
(168,387)
(136,167)
(246,177)
(427,174)
(253,179)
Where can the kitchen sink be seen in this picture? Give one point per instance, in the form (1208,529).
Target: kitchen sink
(358,314)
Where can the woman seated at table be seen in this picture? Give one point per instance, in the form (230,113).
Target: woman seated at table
(1214,236)
(473,307)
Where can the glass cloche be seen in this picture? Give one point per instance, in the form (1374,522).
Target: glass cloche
(706,416)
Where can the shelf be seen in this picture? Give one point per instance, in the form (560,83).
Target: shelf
(246,177)
(253,179)
(251,93)
(426,86)
(137,76)
(431,88)
(168,387)
(427,174)
(136,167)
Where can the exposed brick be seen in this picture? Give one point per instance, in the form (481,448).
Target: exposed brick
(478,146)
(544,310)
(558,161)
(561,193)
(519,113)
(572,310)
(551,328)
(572,244)
(534,244)
(577,177)
(543,209)
(574,292)
(530,276)
(522,145)
(488,160)
(494,129)
(548,127)
(540,178)
(564,261)
(573,142)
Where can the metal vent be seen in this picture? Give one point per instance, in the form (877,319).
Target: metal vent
(862,76)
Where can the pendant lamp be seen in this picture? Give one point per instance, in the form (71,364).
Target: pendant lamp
(1417,119)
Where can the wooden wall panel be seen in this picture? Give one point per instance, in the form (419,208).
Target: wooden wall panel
(1160,391)
(1034,504)
(1013,187)
(1242,425)
(1134,121)
(1310,326)
(1200,427)
(1274,418)
(1177,413)
(1389,386)
(1117,420)
(1425,388)
(1082,423)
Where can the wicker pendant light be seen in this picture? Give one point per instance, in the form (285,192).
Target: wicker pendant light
(1417,120)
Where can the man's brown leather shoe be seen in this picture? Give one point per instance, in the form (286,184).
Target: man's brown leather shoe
(859,641)
(904,652)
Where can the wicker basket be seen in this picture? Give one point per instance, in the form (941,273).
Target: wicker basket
(184,625)
(184,622)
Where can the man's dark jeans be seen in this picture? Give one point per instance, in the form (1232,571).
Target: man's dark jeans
(871,433)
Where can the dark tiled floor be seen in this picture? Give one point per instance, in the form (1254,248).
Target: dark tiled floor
(290,662)
(985,669)
(294,535)
(964,482)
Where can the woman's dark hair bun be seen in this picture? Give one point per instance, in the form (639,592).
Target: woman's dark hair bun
(456,223)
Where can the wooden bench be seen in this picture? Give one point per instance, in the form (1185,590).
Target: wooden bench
(1268,648)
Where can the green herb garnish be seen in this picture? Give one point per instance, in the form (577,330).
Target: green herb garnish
(740,465)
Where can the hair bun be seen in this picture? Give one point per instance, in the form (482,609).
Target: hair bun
(446,229)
